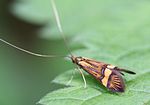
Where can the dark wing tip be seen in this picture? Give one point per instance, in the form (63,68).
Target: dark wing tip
(116,83)
(128,71)
(131,72)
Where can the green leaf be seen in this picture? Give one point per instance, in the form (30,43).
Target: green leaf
(112,31)
(137,93)
(65,79)
(71,95)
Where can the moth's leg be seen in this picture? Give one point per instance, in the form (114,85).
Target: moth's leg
(83,77)
(82,74)
(71,78)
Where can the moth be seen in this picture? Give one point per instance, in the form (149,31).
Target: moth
(108,75)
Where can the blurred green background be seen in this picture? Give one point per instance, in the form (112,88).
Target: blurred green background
(24,78)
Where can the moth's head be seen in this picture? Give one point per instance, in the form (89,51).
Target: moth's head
(77,60)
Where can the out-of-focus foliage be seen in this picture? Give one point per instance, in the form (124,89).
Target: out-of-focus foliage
(25,78)
(114,31)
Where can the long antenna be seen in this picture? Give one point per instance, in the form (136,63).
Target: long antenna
(29,52)
(63,36)
(59,25)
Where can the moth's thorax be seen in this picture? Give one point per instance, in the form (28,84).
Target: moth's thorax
(89,65)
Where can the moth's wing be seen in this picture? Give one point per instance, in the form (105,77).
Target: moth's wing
(115,82)
(121,73)
(112,67)
(126,71)
(112,80)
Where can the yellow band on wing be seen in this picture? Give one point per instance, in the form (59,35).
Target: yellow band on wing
(107,73)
